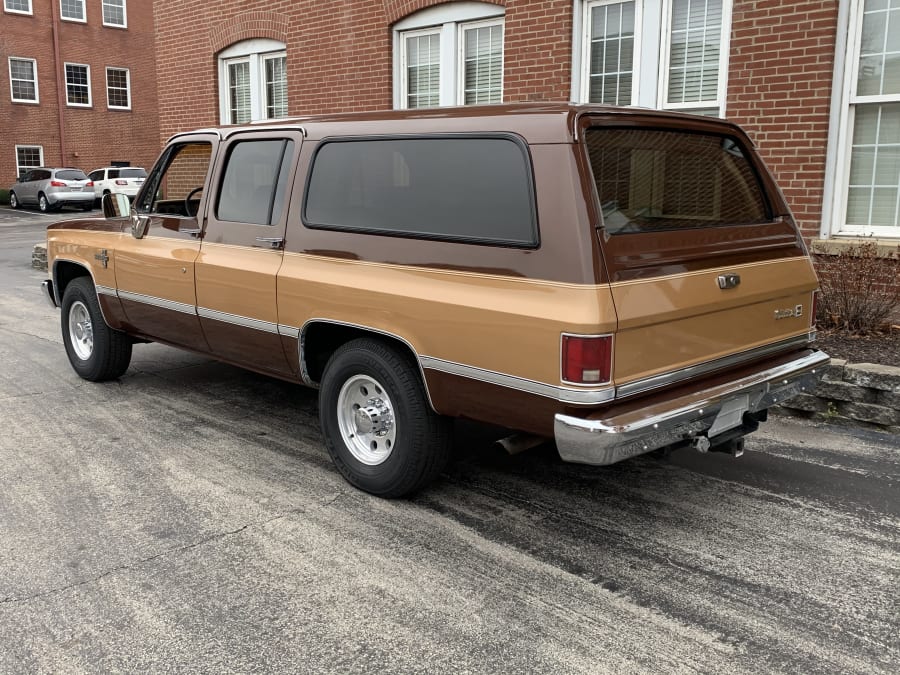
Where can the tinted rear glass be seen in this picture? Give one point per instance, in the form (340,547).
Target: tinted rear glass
(649,180)
(132,173)
(71,174)
(460,188)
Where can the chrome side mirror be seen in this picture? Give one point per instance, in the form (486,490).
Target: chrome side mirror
(116,205)
(139,225)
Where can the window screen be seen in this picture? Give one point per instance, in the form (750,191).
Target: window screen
(460,188)
(253,187)
(650,180)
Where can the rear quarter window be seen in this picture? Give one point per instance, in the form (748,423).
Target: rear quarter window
(651,180)
(470,189)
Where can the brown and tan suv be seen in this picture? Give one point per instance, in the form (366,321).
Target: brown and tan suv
(618,280)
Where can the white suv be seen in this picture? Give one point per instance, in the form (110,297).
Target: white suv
(124,179)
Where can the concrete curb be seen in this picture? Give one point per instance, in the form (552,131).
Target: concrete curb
(858,394)
(861,394)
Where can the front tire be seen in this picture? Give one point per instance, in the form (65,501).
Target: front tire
(13,201)
(379,429)
(96,351)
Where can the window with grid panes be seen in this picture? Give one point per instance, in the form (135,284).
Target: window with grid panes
(73,10)
(253,81)
(23,80)
(118,89)
(873,183)
(694,56)
(28,157)
(78,84)
(114,13)
(17,6)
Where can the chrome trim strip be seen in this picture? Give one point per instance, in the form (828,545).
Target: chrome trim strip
(609,440)
(562,394)
(106,290)
(657,381)
(158,302)
(237,320)
(289,331)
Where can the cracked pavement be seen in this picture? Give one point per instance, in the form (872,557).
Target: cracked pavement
(187,519)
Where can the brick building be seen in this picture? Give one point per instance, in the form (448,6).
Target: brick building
(817,84)
(81,85)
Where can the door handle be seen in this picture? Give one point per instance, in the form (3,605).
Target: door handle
(270,242)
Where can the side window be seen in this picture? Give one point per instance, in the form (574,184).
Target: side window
(176,182)
(112,173)
(471,189)
(95,175)
(253,185)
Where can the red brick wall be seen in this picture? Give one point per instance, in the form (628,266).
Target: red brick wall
(93,136)
(339,58)
(779,89)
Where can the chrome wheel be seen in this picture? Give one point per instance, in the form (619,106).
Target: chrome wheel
(81,330)
(43,204)
(13,201)
(365,417)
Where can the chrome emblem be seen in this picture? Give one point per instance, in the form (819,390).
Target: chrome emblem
(789,313)
(726,281)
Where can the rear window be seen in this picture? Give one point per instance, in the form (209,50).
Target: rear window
(650,180)
(71,174)
(132,173)
(469,189)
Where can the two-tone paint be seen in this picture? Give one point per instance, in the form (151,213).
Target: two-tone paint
(483,322)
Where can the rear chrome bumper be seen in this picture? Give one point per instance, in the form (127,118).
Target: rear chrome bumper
(605,440)
(47,288)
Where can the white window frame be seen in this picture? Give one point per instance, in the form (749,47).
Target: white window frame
(124,23)
(652,37)
(90,103)
(37,92)
(25,12)
(404,72)
(19,167)
(83,12)
(666,52)
(461,54)
(445,19)
(256,52)
(127,88)
(841,125)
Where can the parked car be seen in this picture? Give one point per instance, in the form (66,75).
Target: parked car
(51,189)
(116,179)
(617,280)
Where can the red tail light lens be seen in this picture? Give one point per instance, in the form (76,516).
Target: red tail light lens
(57,183)
(90,183)
(587,359)
(121,182)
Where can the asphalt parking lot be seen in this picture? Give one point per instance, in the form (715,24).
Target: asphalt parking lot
(187,518)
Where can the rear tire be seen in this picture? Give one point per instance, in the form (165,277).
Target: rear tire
(43,204)
(13,201)
(379,428)
(96,351)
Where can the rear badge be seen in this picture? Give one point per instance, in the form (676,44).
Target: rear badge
(789,313)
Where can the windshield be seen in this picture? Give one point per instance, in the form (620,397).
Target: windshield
(71,174)
(650,180)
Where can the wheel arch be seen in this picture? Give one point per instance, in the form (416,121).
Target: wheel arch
(64,271)
(320,338)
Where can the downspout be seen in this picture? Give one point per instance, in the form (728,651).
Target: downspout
(60,89)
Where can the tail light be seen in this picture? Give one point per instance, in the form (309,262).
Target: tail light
(90,183)
(57,183)
(587,359)
(119,181)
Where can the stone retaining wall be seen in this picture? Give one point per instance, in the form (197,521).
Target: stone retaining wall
(39,257)
(862,394)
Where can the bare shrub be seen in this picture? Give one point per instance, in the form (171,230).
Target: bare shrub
(860,288)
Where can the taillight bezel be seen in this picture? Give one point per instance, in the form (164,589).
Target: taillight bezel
(608,365)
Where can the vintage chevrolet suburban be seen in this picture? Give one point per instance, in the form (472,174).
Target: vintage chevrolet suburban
(618,280)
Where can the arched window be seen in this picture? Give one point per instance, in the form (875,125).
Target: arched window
(450,54)
(253,81)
